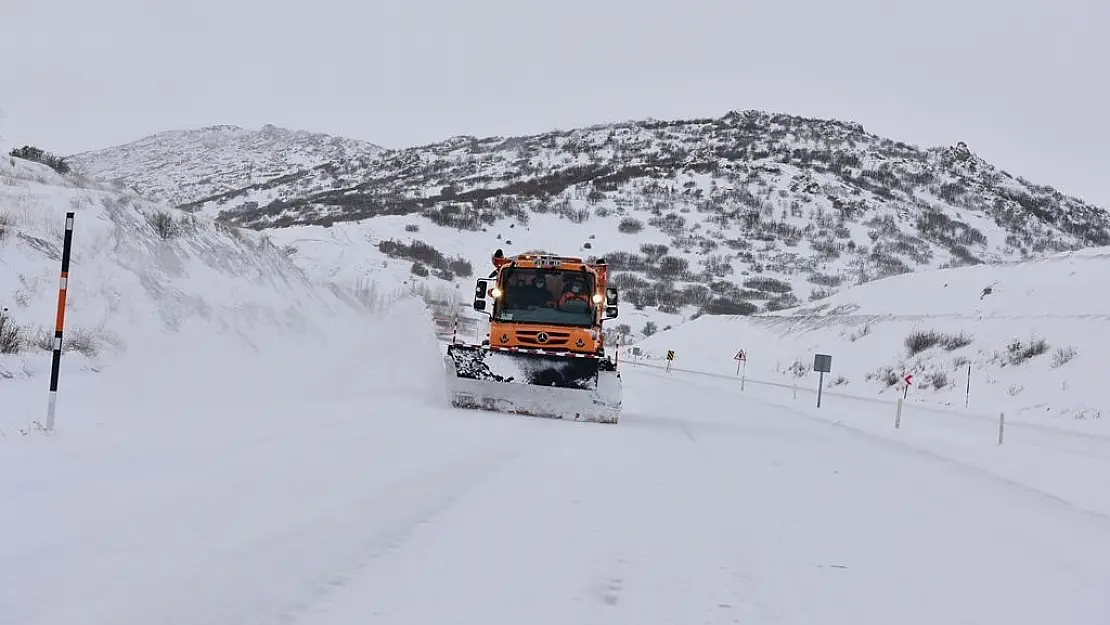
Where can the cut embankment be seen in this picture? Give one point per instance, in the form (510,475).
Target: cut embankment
(168,313)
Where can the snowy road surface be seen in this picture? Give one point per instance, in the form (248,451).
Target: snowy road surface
(702,506)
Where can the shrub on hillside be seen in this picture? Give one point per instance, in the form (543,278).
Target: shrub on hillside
(671,267)
(38,155)
(164,225)
(726,306)
(782,302)
(630,225)
(885,375)
(1062,356)
(12,337)
(423,254)
(936,379)
(859,334)
(461,267)
(81,341)
(768,285)
(952,342)
(921,340)
(1018,352)
(825,280)
(818,294)
(5,225)
(798,368)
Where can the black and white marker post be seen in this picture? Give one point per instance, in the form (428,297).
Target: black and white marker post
(59,323)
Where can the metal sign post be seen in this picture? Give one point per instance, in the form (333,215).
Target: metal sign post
(741,366)
(822,363)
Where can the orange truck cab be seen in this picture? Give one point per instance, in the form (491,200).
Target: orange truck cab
(545,302)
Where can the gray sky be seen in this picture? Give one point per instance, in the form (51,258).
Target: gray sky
(1025,83)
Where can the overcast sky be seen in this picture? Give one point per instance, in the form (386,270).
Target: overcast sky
(1025,83)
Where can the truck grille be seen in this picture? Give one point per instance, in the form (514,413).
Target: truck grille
(532,337)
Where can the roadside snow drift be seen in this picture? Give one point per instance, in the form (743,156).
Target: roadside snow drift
(1033,334)
(169,309)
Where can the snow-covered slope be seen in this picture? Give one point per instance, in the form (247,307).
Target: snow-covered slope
(152,290)
(749,212)
(1033,334)
(180,166)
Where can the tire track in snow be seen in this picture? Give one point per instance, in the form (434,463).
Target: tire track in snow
(257,536)
(280,575)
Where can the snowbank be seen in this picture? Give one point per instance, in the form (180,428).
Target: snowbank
(1032,334)
(168,311)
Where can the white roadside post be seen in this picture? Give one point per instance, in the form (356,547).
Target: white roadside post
(1001,425)
(59,323)
(908,380)
(967,393)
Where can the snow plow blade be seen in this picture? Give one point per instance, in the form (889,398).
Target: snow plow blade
(557,386)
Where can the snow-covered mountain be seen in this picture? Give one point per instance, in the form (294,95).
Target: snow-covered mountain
(180,166)
(1030,335)
(749,212)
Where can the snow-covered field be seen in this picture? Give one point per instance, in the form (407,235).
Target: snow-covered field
(1059,300)
(252,448)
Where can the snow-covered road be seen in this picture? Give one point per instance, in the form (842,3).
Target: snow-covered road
(702,506)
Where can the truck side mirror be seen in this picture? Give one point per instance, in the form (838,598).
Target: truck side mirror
(611,301)
(480,288)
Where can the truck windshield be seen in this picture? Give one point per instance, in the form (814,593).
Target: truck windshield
(547,296)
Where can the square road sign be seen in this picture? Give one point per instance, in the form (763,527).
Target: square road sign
(822,363)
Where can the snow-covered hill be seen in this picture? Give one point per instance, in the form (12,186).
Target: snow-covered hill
(1033,334)
(181,166)
(153,291)
(748,212)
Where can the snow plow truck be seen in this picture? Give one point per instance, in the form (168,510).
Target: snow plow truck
(545,354)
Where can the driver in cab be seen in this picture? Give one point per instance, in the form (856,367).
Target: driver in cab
(574,290)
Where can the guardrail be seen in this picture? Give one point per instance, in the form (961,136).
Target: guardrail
(897,406)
